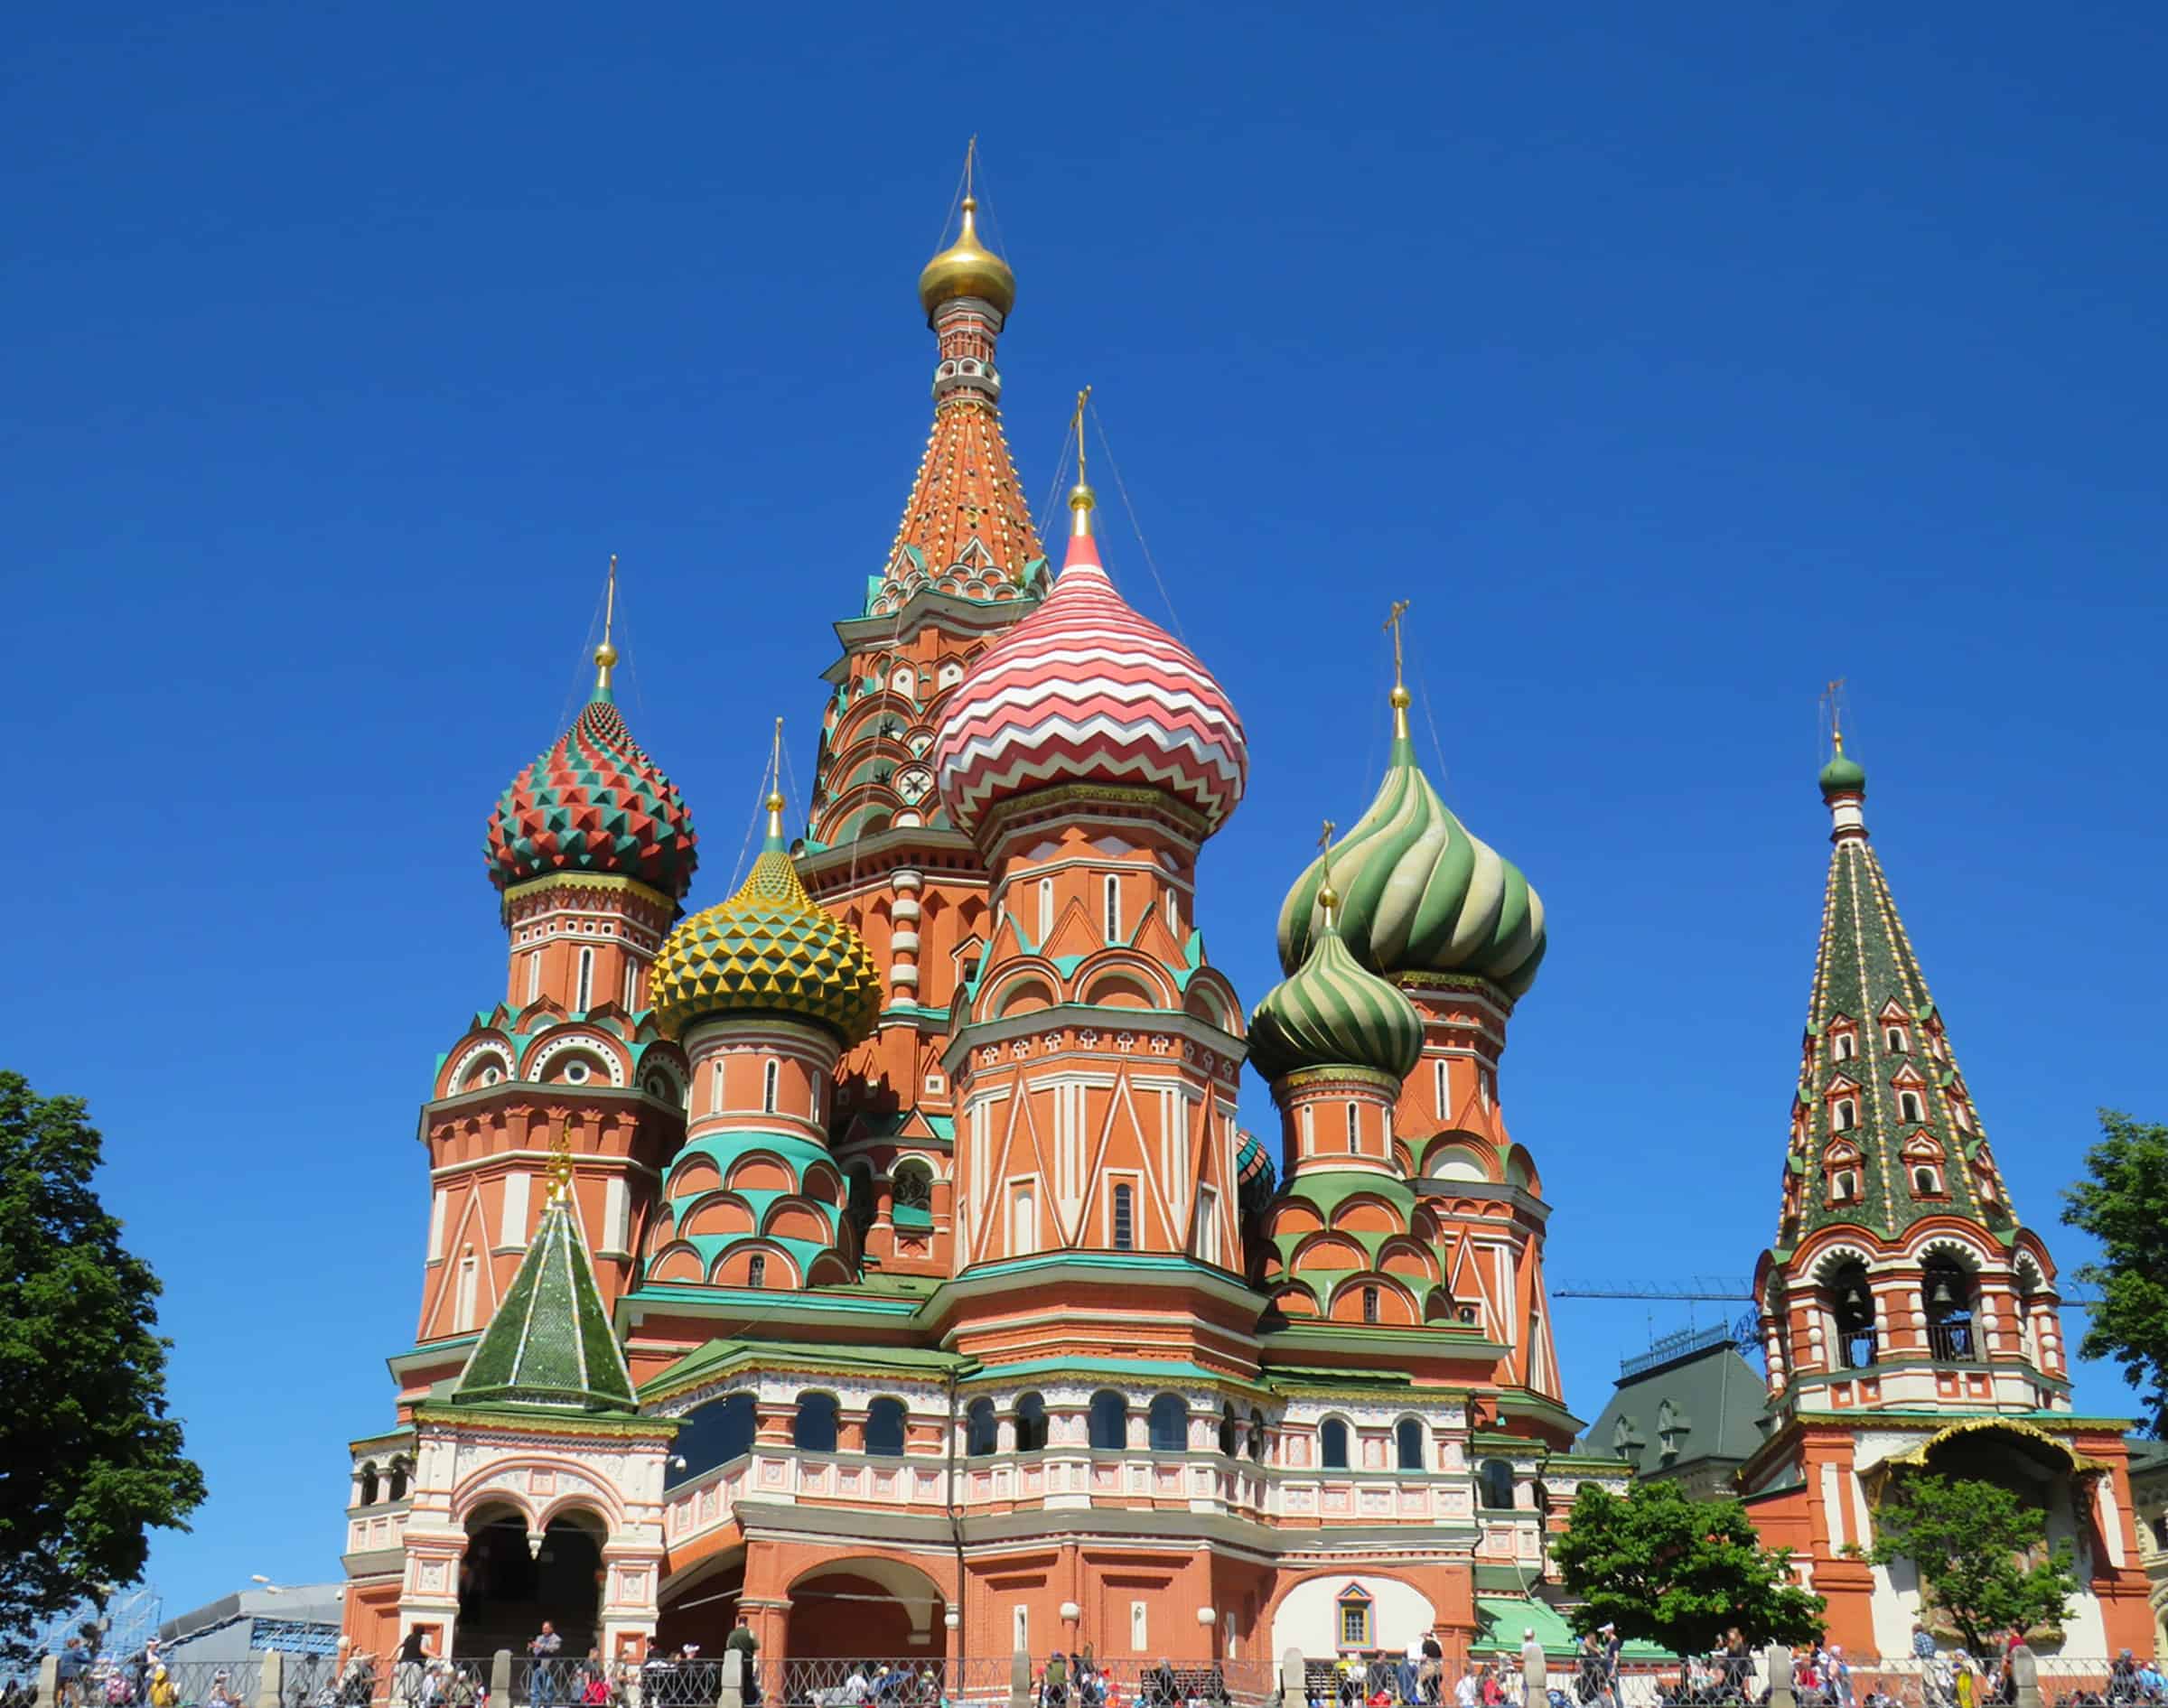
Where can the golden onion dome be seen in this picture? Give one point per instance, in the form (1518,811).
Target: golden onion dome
(966,267)
(769,950)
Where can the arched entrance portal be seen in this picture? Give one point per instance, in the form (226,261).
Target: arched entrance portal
(866,1608)
(507,1589)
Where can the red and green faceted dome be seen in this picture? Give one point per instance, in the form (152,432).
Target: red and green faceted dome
(594,802)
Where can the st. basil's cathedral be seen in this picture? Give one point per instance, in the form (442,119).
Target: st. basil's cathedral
(876,1254)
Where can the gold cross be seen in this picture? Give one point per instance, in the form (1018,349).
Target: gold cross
(1075,423)
(1324,850)
(1393,620)
(1830,698)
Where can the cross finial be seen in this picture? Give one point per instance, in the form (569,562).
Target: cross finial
(1328,898)
(1393,620)
(605,655)
(775,782)
(1833,697)
(560,1164)
(970,161)
(1080,497)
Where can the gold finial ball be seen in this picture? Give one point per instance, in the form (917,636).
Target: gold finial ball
(966,267)
(1402,699)
(775,801)
(1328,898)
(1082,498)
(605,655)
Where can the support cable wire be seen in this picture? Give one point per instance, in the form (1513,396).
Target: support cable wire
(1173,616)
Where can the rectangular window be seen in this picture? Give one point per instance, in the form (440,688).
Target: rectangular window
(1139,1628)
(770,1076)
(1024,1220)
(1125,1219)
(534,975)
(436,1226)
(1207,1225)
(586,989)
(1020,1629)
(617,1215)
(1174,915)
(1439,1080)
(632,985)
(1046,910)
(1354,1625)
(512,1227)
(1370,1304)
(1114,909)
(463,1308)
(1354,1129)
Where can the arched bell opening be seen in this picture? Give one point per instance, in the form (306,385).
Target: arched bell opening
(1851,1307)
(1946,1288)
(510,1582)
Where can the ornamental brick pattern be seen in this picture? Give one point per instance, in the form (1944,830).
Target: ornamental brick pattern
(596,803)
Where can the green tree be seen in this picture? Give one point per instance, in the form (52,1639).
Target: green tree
(1663,1567)
(2124,1205)
(1965,1538)
(89,1461)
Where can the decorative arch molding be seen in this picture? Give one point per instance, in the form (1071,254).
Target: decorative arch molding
(995,999)
(1125,975)
(1834,1258)
(496,1483)
(1959,1249)
(467,1065)
(566,1042)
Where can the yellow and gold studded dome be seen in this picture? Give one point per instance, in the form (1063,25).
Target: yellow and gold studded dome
(966,267)
(770,949)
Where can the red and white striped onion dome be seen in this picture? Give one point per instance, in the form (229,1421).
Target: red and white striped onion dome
(1084,690)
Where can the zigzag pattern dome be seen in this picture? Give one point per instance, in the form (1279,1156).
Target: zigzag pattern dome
(594,803)
(770,949)
(1417,893)
(1085,690)
(1332,1012)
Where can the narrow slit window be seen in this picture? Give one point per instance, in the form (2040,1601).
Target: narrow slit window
(1354,1128)
(1114,909)
(586,990)
(771,1077)
(1046,910)
(756,1271)
(1370,1304)
(534,975)
(1125,1219)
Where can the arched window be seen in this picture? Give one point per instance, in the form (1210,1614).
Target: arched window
(756,1270)
(1407,1443)
(1256,1436)
(1894,1038)
(1332,1444)
(1114,909)
(1847,1115)
(1167,1424)
(1031,1423)
(1927,1180)
(884,1426)
(369,1485)
(1853,1306)
(586,990)
(1845,1046)
(813,1430)
(770,1076)
(1844,1186)
(1226,1431)
(1370,1304)
(397,1490)
(1046,910)
(911,1187)
(1125,1218)
(982,1430)
(1108,1421)
(1907,1106)
(1494,1485)
(1354,1128)
(1947,1289)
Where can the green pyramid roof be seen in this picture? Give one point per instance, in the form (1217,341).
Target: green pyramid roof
(549,1342)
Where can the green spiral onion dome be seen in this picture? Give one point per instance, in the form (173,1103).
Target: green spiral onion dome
(1417,893)
(1331,1013)
(772,951)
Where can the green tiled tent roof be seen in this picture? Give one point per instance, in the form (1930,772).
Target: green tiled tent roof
(549,1342)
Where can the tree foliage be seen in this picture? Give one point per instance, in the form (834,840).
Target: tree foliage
(2124,1204)
(1965,1538)
(1663,1567)
(89,1461)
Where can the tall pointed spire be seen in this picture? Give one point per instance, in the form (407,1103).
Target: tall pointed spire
(967,529)
(1884,1132)
(550,1342)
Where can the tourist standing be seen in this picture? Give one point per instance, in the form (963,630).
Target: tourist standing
(544,1647)
(748,1648)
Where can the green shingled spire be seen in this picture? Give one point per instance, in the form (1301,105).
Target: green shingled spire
(1884,1133)
(550,1342)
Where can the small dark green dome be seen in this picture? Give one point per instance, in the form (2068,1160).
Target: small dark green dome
(1844,776)
(1334,1012)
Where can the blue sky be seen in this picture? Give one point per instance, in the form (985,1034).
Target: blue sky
(1670,359)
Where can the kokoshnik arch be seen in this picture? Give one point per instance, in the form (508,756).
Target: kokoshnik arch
(877,1252)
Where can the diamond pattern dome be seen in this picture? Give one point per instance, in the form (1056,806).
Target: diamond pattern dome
(594,802)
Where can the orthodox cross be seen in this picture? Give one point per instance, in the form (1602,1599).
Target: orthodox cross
(1833,697)
(1324,851)
(1076,422)
(1393,620)
(610,601)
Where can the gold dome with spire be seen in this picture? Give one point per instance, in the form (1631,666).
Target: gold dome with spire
(966,267)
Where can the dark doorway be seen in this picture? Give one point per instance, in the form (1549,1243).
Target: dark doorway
(505,1593)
